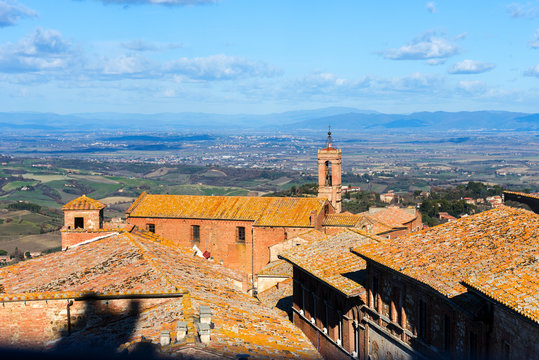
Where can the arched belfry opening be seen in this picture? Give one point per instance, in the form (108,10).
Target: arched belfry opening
(329,173)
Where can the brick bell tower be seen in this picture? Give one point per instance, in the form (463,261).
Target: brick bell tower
(329,174)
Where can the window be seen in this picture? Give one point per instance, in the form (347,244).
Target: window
(313,313)
(396,305)
(79,223)
(375,293)
(326,316)
(240,233)
(195,233)
(506,351)
(303,299)
(472,346)
(150,227)
(339,339)
(422,320)
(447,332)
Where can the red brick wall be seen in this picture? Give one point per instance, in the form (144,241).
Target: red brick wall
(219,237)
(70,238)
(92,219)
(32,324)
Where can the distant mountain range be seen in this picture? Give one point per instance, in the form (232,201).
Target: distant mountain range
(338,117)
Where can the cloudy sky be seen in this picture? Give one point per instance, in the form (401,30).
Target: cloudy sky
(263,56)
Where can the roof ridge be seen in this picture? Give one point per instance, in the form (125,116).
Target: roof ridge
(147,253)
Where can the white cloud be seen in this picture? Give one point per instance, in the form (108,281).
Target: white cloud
(125,65)
(533,71)
(534,44)
(428,46)
(431,7)
(527,10)
(11,12)
(219,67)
(45,49)
(470,67)
(323,82)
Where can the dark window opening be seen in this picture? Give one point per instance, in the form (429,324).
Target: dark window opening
(422,321)
(328,173)
(472,346)
(150,227)
(79,223)
(241,233)
(506,351)
(447,332)
(375,293)
(195,233)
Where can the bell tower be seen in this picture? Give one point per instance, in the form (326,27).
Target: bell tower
(329,174)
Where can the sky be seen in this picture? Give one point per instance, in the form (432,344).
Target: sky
(268,56)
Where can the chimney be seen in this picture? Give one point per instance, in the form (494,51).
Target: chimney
(204,332)
(205,314)
(181,331)
(165,338)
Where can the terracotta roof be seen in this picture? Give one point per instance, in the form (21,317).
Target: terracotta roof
(332,262)
(530,195)
(83,203)
(312,235)
(144,262)
(392,216)
(341,220)
(279,296)
(264,211)
(279,268)
(515,287)
(481,245)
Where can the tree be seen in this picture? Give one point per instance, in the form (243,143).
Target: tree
(3,252)
(27,255)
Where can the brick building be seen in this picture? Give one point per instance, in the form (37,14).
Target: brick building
(329,293)
(83,217)
(462,290)
(134,289)
(237,230)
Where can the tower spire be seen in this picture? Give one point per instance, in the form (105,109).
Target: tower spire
(330,139)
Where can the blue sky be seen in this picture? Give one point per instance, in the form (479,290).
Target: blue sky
(264,56)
